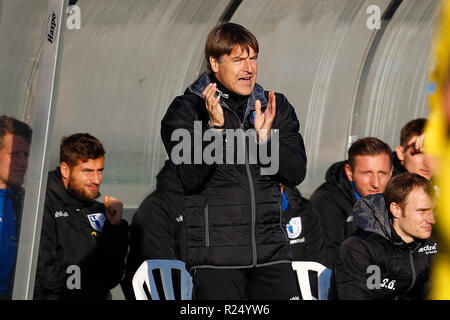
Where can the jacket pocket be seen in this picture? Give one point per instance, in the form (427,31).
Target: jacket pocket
(206,226)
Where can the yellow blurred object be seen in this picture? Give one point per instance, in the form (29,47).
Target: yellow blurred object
(437,143)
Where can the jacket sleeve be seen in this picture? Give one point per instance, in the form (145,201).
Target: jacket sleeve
(51,271)
(333,224)
(292,154)
(351,271)
(181,116)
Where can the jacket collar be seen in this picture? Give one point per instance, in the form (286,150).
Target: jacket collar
(336,176)
(371,214)
(204,80)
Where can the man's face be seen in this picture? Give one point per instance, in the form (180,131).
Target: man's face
(84,179)
(414,161)
(237,71)
(416,219)
(370,174)
(13,160)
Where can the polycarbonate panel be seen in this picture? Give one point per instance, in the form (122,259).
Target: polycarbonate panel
(394,90)
(120,72)
(27,71)
(313,52)
(22,26)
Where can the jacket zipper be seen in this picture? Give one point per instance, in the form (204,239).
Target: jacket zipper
(283,227)
(206,226)
(252,189)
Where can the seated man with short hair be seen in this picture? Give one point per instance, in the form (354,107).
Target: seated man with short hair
(367,171)
(389,256)
(83,242)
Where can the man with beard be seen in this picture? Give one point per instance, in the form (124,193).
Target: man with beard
(83,242)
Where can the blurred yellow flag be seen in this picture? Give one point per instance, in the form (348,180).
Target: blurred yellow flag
(437,143)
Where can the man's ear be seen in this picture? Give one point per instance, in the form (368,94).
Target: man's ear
(395,210)
(400,153)
(65,170)
(349,172)
(214,64)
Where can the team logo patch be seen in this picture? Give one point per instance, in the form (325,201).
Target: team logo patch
(294,227)
(97,221)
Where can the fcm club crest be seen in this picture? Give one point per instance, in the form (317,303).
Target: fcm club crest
(97,221)
(294,227)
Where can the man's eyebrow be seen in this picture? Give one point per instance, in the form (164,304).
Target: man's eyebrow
(424,209)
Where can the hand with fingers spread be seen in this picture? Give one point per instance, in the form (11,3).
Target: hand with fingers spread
(113,210)
(213,106)
(263,121)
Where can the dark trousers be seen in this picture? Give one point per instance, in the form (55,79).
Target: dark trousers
(274,282)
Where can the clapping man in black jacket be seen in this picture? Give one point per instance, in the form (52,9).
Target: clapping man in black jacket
(83,242)
(389,256)
(237,247)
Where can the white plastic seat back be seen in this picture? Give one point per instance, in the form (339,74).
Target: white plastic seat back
(323,277)
(145,275)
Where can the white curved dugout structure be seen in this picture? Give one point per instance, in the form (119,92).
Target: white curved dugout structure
(118,73)
(122,69)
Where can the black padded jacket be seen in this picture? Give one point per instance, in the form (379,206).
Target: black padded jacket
(156,231)
(303,227)
(77,234)
(232,212)
(375,263)
(334,200)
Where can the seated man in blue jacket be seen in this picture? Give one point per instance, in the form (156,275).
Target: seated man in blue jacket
(15,139)
(390,254)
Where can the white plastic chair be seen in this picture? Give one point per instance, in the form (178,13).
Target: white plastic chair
(145,275)
(323,277)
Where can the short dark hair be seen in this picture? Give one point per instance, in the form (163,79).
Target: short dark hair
(80,146)
(15,127)
(223,38)
(368,146)
(412,128)
(400,186)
